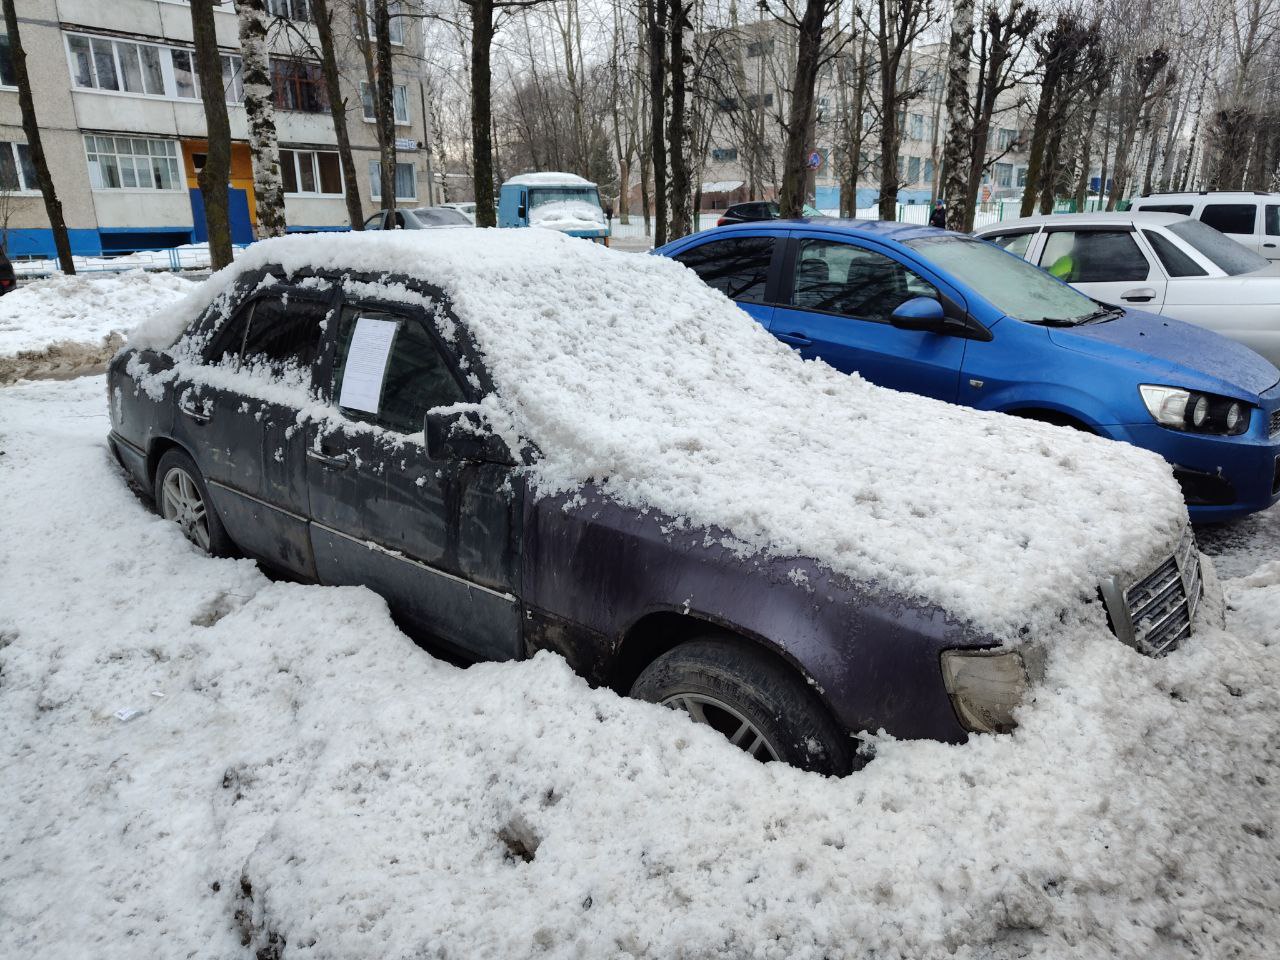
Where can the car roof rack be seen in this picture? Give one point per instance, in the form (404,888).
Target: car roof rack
(1202,193)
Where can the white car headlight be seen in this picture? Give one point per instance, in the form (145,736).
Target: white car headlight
(985,687)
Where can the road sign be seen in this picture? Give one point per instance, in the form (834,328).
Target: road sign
(815,160)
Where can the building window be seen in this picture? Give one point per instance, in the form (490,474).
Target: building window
(298,86)
(758,48)
(724,154)
(913,170)
(7,79)
(399,100)
(1005,138)
(1020,176)
(406,181)
(233,78)
(315,172)
(132,163)
(98,63)
(17,175)
(290,9)
(916,126)
(1004,174)
(395,29)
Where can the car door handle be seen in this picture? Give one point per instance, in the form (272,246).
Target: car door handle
(1140,295)
(335,461)
(1269,246)
(188,408)
(794,338)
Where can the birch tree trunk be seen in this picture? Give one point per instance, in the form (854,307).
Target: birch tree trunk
(955,149)
(260,112)
(31,128)
(384,107)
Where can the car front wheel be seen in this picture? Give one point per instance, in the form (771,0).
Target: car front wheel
(182,497)
(760,705)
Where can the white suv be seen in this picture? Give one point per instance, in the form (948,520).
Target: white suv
(1250,219)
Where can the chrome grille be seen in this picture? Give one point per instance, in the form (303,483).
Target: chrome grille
(1275,423)
(1155,614)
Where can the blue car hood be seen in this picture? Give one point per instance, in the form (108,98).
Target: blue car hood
(1172,352)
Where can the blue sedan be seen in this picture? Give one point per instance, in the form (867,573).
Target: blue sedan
(947,316)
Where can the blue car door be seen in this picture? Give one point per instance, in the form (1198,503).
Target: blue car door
(835,301)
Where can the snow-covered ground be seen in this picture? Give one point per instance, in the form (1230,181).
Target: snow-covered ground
(301,776)
(62,323)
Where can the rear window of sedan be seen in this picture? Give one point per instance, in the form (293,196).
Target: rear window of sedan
(1227,255)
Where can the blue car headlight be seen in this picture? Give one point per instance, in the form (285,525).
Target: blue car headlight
(1194,411)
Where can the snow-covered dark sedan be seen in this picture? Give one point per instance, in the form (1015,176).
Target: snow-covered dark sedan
(528,443)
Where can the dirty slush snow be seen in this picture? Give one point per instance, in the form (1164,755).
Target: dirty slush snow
(629,371)
(311,783)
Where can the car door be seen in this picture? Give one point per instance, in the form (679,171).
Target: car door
(837,298)
(239,413)
(739,266)
(438,539)
(1239,221)
(1106,263)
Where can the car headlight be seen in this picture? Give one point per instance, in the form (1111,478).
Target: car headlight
(1195,412)
(985,686)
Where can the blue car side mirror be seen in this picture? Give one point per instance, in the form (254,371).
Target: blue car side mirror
(920,313)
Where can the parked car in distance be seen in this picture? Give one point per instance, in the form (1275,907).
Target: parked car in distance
(527,443)
(8,276)
(1163,263)
(418,218)
(757,210)
(465,207)
(563,202)
(945,315)
(1250,219)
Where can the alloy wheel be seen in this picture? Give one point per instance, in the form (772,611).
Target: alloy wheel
(737,729)
(181,502)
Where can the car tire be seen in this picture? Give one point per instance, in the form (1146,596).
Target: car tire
(181,496)
(756,701)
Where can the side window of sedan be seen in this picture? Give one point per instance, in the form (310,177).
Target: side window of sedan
(284,336)
(840,278)
(738,267)
(1015,243)
(1094,256)
(389,370)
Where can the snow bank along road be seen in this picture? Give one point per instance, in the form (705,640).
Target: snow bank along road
(300,779)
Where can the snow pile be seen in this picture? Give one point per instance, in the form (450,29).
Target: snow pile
(83,309)
(629,371)
(568,215)
(312,784)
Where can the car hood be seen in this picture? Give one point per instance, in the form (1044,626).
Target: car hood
(1172,352)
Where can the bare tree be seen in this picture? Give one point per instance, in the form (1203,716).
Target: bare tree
(812,48)
(31,127)
(215,175)
(956,152)
(323,16)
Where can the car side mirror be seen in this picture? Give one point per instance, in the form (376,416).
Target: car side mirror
(464,435)
(521,213)
(920,313)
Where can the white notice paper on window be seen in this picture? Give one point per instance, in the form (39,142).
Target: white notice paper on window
(367,364)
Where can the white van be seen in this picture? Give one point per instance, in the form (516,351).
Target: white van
(1249,218)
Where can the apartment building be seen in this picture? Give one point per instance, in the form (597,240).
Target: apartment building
(763,69)
(118,103)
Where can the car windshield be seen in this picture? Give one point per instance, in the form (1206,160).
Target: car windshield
(1007,282)
(541,195)
(1227,255)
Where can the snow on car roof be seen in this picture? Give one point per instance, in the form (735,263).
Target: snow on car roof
(550,179)
(1157,218)
(628,371)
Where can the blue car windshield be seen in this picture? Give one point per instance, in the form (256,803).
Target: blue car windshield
(1008,283)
